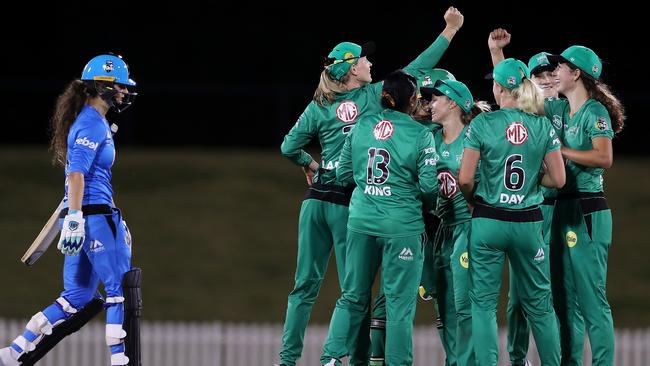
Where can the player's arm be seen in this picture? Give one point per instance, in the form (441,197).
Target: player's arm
(554,172)
(344,173)
(598,129)
(299,136)
(471,156)
(497,41)
(427,175)
(75,190)
(87,141)
(430,57)
(467,172)
(600,155)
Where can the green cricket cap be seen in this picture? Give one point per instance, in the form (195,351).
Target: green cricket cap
(539,63)
(429,78)
(452,89)
(582,57)
(344,55)
(510,73)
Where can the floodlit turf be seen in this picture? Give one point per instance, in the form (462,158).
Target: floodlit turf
(215,234)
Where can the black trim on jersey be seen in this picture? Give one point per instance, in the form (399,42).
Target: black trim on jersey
(549,201)
(95,209)
(529,214)
(377,323)
(589,201)
(330,193)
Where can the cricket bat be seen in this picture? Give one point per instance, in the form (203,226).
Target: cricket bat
(44,239)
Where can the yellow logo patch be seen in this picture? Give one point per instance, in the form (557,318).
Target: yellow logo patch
(571,239)
(464,260)
(349,55)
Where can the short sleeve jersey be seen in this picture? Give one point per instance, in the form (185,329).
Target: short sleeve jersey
(512,145)
(590,121)
(91,152)
(392,160)
(451,206)
(330,124)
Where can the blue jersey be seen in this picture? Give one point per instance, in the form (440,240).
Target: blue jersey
(91,152)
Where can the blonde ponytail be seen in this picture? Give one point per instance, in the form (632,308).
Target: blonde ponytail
(328,87)
(529,97)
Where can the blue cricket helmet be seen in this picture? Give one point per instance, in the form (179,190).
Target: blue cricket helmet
(110,68)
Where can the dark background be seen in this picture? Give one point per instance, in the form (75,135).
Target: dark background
(224,75)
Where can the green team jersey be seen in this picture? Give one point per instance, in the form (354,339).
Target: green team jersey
(512,144)
(556,122)
(391,158)
(451,206)
(331,123)
(590,121)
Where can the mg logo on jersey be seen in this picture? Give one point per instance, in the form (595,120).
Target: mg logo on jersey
(447,184)
(516,133)
(347,111)
(383,130)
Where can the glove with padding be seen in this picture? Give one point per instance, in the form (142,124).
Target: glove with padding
(73,233)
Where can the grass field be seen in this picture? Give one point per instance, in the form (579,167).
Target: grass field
(215,234)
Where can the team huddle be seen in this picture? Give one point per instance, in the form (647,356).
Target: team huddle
(421,181)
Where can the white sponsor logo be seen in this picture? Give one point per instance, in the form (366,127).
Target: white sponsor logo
(431,161)
(429,150)
(540,255)
(516,133)
(512,198)
(445,154)
(85,142)
(377,191)
(557,121)
(347,111)
(406,254)
(383,130)
(329,165)
(96,246)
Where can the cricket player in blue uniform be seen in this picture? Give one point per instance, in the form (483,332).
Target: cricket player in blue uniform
(94,237)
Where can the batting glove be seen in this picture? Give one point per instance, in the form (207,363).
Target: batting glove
(73,233)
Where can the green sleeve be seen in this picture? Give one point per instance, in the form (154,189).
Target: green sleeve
(598,123)
(427,175)
(344,172)
(473,134)
(299,136)
(375,89)
(429,58)
(554,106)
(553,141)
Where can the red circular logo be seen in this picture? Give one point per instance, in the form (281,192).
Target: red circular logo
(447,184)
(516,133)
(383,130)
(347,111)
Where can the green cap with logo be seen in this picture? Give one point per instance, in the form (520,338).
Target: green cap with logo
(344,55)
(429,78)
(540,63)
(510,73)
(582,57)
(452,89)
